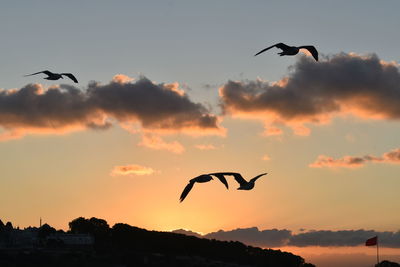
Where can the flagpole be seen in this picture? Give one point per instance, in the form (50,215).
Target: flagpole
(377,249)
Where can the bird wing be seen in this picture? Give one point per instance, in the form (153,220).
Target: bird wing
(186,191)
(201,179)
(281,46)
(258,176)
(312,50)
(221,177)
(238,177)
(69,75)
(45,72)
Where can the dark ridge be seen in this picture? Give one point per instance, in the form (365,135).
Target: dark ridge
(92,242)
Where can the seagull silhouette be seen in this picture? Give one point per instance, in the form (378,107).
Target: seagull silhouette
(244,185)
(55,76)
(201,179)
(292,50)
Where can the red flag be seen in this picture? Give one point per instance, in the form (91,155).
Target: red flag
(372,241)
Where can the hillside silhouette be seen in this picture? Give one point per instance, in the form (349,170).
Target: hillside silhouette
(92,242)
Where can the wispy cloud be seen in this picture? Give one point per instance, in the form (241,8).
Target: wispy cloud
(131,169)
(315,92)
(323,161)
(271,131)
(163,108)
(345,162)
(157,143)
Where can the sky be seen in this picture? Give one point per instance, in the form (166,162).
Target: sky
(169,90)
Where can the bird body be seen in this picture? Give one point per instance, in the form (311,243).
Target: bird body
(292,50)
(243,184)
(55,76)
(248,185)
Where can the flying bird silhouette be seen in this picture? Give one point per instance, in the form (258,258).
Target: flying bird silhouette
(244,185)
(292,50)
(55,76)
(201,179)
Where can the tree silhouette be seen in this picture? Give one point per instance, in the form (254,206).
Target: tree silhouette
(9,226)
(46,230)
(98,228)
(88,226)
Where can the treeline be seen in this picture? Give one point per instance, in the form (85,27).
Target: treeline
(132,246)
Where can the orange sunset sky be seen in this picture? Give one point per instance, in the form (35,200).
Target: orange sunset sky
(169,90)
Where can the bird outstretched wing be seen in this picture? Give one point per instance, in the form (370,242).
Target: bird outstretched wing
(258,176)
(45,72)
(221,177)
(186,190)
(312,50)
(238,177)
(281,46)
(69,75)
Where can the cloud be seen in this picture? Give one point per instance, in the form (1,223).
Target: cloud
(187,232)
(131,169)
(344,238)
(122,78)
(266,157)
(392,157)
(271,131)
(345,162)
(323,238)
(315,92)
(161,108)
(253,236)
(157,143)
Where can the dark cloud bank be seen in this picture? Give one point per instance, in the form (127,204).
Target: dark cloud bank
(278,238)
(153,106)
(314,92)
